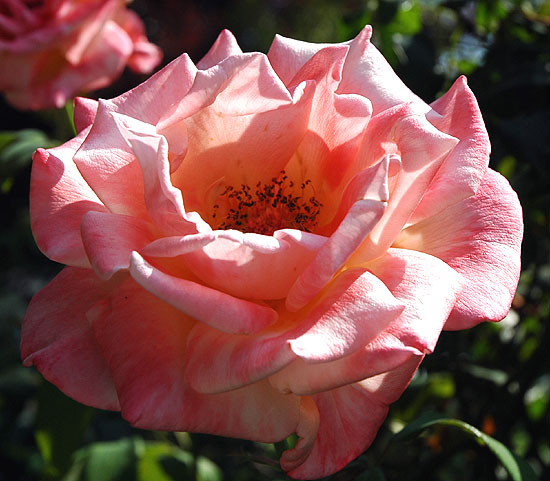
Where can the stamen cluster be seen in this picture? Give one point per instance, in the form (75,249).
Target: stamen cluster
(281,204)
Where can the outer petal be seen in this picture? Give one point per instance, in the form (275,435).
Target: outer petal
(56,327)
(225,46)
(349,421)
(84,112)
(352,312)
(480,238)
(457,114)
(59,199)
(105,159)
(144,341)
(215,308)
(109,240)
(428,289)
(367,73)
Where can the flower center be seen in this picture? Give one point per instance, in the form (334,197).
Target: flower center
(281,204)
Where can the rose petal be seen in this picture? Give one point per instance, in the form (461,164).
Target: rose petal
(59,199)
(358,223)
(422,149)
(333,328)
(215,308)
(84,112)
(480,238)
(109,240)
(240,270)
(56,328)
(225,46)
(350,418)
(144,341)
(457,114)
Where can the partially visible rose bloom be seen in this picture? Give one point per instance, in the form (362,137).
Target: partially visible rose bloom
(261,245)
(51,50)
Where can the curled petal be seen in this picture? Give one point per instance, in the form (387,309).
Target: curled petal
(237,263)
(109,240)
(480,238)
(84,112)
(56,327)
(349,420)
(145,341)
(457,114)
(59,198)
(215,308)
(358,223)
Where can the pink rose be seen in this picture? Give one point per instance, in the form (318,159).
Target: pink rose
(261,245)
(52,49)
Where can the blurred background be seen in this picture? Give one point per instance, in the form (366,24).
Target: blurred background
(495,377)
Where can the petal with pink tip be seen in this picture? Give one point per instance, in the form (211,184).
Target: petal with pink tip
(59,198)
(225,46)
(109,240)
(355,309)
(422,149)
(350,418)
(164,202)
(239,267)
(84,112)
(215,308)
(480,238)
(105,160)
(457,114)
(426,286)
(56,326)
(358,223)
(144,341)
(368,73)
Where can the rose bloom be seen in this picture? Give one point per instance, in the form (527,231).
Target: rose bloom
(52,49)
(261,245)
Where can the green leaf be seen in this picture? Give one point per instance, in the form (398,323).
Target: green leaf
(110,461)
(164,462)
(60,427)
(207,470)
(16,148)
(517,467)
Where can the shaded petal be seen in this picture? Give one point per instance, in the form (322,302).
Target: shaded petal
(335,126)
(239,268)
(480,238)
(215,308)
(457,114)
(144,341)
(225,46)
(59,199)
(358,223)
(109,240)
(84,112)
(56,338)
(353,311)
(350,418)
(266,115)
